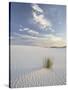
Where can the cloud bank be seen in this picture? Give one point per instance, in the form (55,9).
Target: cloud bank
(49,40)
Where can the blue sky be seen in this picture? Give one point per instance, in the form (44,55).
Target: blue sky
(38,24)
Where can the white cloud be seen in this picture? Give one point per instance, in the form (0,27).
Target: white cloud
(36,7)
(46,41)
(60,34)
(50,41)
(54,38)
(20,29)
(44,23)
(32,32)
(40,19)
(26,29)
(24,36)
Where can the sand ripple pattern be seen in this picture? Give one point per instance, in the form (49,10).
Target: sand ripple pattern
(42,77)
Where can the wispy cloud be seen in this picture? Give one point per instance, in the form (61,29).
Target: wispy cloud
(40,19)
(48,40)
(32,32)
(43,23)
(25,29)
(25,36)
(20,29)
(35,7)
(29,31)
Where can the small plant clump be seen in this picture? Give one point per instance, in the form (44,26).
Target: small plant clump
(47,63)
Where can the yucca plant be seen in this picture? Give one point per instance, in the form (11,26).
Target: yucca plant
(49,63)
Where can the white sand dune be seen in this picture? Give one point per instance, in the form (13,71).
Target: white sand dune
(27,66)
(42,77)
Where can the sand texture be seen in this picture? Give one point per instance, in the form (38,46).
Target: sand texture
(42,77)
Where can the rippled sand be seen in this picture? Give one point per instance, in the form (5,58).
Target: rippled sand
(27,66)
(42,77)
